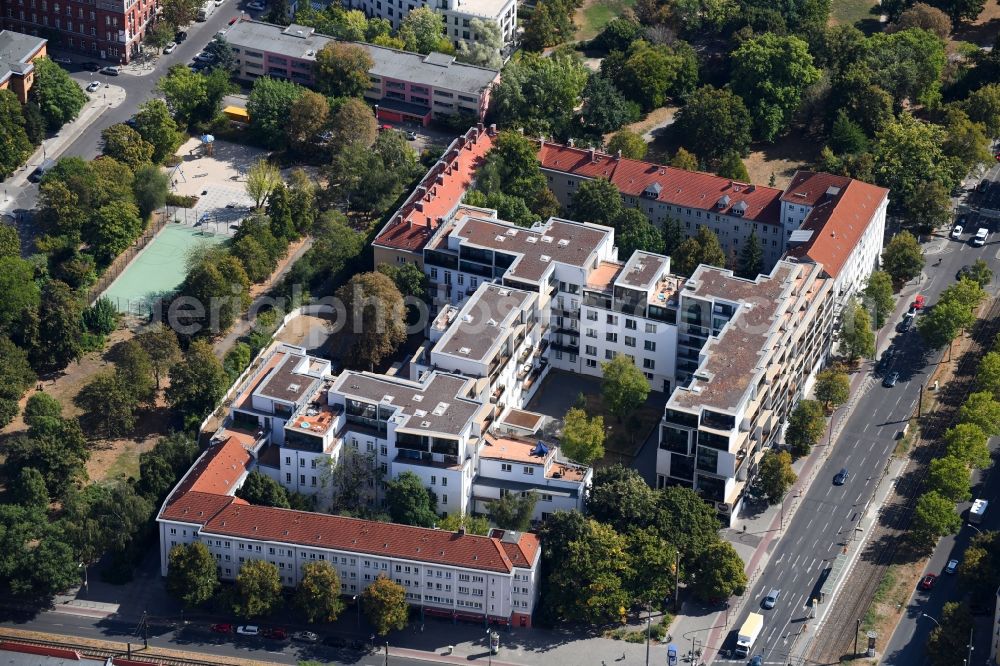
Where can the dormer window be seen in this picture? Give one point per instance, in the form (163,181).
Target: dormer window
(652,191)
(724,201)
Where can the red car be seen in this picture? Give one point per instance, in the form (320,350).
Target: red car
(385,128)
(918,302)
(222,628)
(234,20)
(928,581)
(275,634)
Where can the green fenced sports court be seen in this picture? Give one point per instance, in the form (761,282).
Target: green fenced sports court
(158,269)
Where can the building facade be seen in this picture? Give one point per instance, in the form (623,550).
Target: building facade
(107,29)
(405,87)
(18,53)
(457,15)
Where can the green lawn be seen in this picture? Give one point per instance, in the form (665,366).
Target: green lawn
(126,465)
(594,16)
(852,12)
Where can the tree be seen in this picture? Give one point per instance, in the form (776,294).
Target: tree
(134,367)
(776,475)
(179,12)
(592,576)
(623,386)
(160,468)
(925,17)
(351,479)
(308,115)
(980,273)
(513,511)
(14,144)
(484,50)
(682,159)
(115,227)
(634,232)
(263,178)
(770,72)
(907,64)
(280,214)
(354,123)
(621,498)
(941,325)
(648,73)
(965,141)
(719,573)
(151,187)
(878,296)
(269,105)
(652,577)
(454,522)
(29,490)
(341,69)
(949,639)
(34,123)
(949,477)
(605,108)
(375,307)
(10,241)
(198,382)
(833,388)
(155,125)
(983,410)
(60,328)
(422,30)
(57,448)
(908,154)
(703,248)
(934,516)
(185,91)
(258,589)
(598,201)
(631,144)
(409,502)
(125,145)
(983,106)
(16,374)
(550,23)
(225,59)
(58,96)
(192,576)
(109,403)
(159,34)
(806,425)
(751,257)
(967,293)
(19,289)
(540,94)
(987,375)
(262,490)
(160,344)
(732,167)
(367,179)
(384,604)
(857,338)
(317,595)
(969,443)
(408,278)
(236,360)
(41,406)
(847,136)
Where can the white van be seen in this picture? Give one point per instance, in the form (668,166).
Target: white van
(979,239)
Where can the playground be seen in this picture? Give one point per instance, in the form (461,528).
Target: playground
(159,269)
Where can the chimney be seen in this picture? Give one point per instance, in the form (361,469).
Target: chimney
(480,126)
(461,531)
(493,129)
(618,155)
(593,155)
(570,142)
(419,206)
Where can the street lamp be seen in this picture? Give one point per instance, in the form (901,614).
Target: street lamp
(931,619)
(978,531)
(357,604)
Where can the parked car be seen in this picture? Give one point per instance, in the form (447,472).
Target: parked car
(180,36)
(890,380)
(222,628)
(248,630)
(385,128)
(305,636)
(255,6)
(770,599)
(63,61)
(92,66)
(951,567)
(979,239)
(93,86)
(205,57)
(927,582)
(757,661)
(906,324)
(957,231)
(275,633)
(169,48)
(841,477)
(918,302)
(41,170)
(411,136)
(111,70)
(964,272)
(233,20)
(218,3)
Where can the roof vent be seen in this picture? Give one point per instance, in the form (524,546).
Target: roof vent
(465,351)
(546,239)
(467,318)
(388,398)
(417,397)
(420,413)
(498,238)
(294,388)
(440,409)
(512,232)
(504,292)
(532,239)
(563,242)
(425,424)
(492,322)
(545,258)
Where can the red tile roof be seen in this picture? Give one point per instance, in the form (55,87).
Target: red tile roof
(440,191)
(692,189)
(839,222)
(321,530)
(210,483)
(809,187)
(522,554)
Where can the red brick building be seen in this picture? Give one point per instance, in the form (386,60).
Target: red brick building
(106,29)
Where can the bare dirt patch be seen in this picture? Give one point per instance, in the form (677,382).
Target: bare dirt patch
(981,32)
(649,127)
(787,155)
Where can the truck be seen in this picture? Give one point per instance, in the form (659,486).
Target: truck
(206,10)
(977,511)
(748,634)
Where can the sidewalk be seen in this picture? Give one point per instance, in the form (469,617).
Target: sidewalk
(762,531)
(99,102)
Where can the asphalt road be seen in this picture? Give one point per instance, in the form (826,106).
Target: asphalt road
(828,514)
(200,639)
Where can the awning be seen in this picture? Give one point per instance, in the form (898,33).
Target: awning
(406,108)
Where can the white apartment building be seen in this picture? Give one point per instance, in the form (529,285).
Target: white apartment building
(758,343)
(457,15)
(491,579)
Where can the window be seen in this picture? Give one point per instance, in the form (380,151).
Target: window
(591,363)
(590,350)
(546,497)
(302,479)
(629,341)
(591,315)
(609,354)
(649,364)
(302,462)
(613,319)
(506,467)
(591,332)
(461,279)
(434,273)
(529,470)
(611,337)
(444,500)
(649,345)
(444,480)
(384,450)
(630,324)
(651,328)
(288,477)
(434,480)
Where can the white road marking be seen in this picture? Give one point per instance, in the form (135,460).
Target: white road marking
(865,429)
(861,493)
